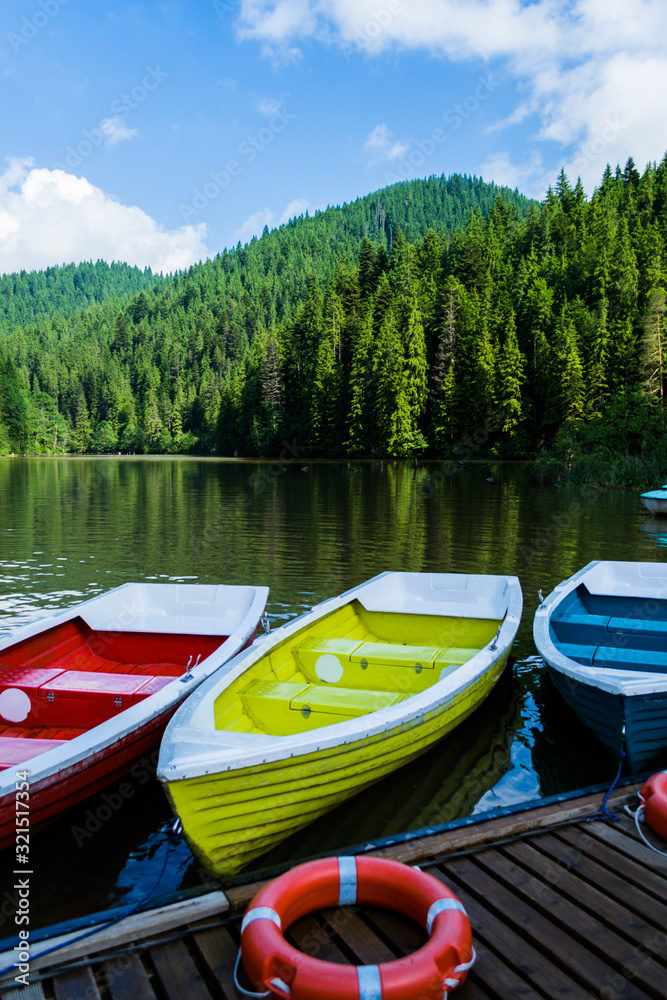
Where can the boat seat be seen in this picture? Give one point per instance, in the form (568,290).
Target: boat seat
(77,698)
(27,678)
(618,658)
(17,749)
(637,626)
(451,659)
(284,708)
(578,652)
(388,666)
(581,628)
(394,655)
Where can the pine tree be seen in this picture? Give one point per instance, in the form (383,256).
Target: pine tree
(654,359)
(359,421)
(510,378)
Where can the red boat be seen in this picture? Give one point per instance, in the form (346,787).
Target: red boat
(86,692)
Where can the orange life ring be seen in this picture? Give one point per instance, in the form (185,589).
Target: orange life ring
(654,802)
(274,965)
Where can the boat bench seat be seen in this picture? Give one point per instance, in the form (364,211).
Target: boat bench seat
(616,657)
(594,629)
(578,652)
(50,697)
(17,749)
(360,664)
(283,708)
(580,628)
(638,626)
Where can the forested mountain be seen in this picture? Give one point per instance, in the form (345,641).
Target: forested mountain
(408,322)
(28,296)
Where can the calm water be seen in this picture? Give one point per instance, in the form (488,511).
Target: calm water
(71,528)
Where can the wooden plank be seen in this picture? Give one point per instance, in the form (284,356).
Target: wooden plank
(623,836)
(357,936)
(312,939)
(219,951)
(401,934)
(492,977)
(648,908)
(523,960)
(641,876)
(134,928)
(569,956)
(476,835)
(126,979)
(178,973)
(77,985)
(596,903)
(33,991)
(471,990)
(591,935)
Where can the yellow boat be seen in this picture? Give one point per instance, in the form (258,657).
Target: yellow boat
(329,703)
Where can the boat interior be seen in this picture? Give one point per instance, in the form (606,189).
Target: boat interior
(352,662)
(612,632)
(66,680)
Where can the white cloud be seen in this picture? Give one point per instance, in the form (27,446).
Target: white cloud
(379,143)
(530,178)
(254,224)
(578,63)
(52,217)
(269,107)
(296,207)
(115,130)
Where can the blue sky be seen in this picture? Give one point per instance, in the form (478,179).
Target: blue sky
(159,133)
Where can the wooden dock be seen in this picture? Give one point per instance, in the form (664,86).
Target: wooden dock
(561,909)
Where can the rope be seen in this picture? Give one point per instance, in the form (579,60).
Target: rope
(241,989)
(458,970)
(172,838)
(638,816)
(603,813)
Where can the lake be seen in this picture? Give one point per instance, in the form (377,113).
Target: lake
(73,527)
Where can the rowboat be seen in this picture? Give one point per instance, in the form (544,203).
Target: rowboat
(329,703)
(87,691)
(655,500)
(603,634)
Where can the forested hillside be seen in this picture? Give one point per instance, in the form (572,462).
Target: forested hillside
(28,296)
(400,324)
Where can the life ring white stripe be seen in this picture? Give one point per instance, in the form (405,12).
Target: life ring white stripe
(261,913)
(440,906)
(347,876)
(370,984)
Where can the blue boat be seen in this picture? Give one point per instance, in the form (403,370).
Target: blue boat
(656,500)
(603,636)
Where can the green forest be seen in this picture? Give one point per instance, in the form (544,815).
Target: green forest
(433,318)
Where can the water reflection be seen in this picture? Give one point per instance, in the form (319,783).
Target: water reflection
(72,527)
(657,527)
